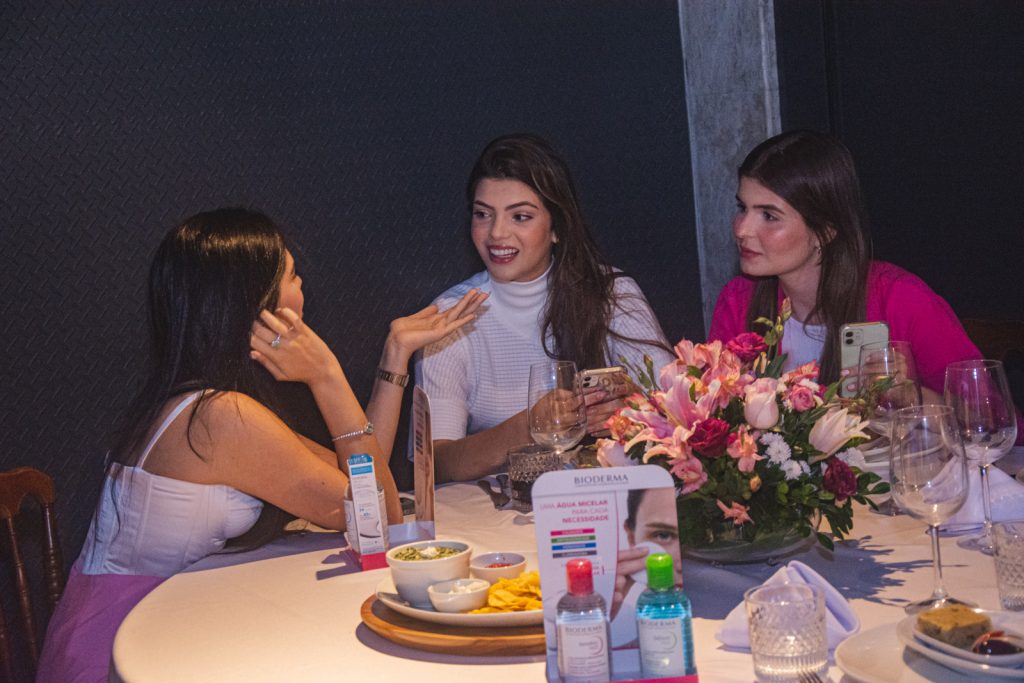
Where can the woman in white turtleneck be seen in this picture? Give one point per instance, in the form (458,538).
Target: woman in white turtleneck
(551,296)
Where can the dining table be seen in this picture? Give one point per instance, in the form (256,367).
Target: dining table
(290,611)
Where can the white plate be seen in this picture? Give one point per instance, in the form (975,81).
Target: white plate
(1011,622)
(907,634)
(387,594)
(875,656)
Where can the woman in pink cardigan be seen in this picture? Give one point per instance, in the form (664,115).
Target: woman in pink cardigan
(801,229)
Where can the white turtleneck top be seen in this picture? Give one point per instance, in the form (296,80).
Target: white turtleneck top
(478,377)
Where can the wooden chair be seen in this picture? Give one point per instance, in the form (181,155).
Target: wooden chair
(995,338)
(1002,340)
(14,486)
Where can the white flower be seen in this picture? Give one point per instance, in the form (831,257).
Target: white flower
(834,429)
(791,469)
(804,467)
(853,457)
(778,450)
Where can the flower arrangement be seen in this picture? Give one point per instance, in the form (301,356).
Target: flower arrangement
(751,448)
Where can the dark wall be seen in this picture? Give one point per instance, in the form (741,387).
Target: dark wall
(926,95)
(354,124)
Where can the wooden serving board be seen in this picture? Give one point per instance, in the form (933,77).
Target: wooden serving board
(454,640)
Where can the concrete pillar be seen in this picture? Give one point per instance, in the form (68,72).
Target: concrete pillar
(732,101)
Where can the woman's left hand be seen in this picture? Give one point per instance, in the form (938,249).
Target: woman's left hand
(411,333)
(603,402)
(289,349)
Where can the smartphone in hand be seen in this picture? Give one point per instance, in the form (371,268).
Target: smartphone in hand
(852,336)
(603,378)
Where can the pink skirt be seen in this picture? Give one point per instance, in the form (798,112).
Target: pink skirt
(81,633)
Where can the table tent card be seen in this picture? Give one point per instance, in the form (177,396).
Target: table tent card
(422,443)
(423,461)
(595,514)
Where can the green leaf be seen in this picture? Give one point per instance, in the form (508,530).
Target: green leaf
(825,541)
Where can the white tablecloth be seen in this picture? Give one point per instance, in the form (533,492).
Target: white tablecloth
(290,611)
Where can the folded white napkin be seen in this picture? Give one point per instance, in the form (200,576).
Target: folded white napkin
(1007,498)
(840,621)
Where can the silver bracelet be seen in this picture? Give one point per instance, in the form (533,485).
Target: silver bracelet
(365,431)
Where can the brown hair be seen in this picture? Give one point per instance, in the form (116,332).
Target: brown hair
(581,298)
(815,174)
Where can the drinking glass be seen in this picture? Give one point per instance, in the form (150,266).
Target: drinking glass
(557,412)
(928,474)
(788,639)
(979,395)
(893,363)
(525,465)
(1009,557)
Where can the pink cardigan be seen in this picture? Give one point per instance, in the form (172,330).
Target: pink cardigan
(912,310)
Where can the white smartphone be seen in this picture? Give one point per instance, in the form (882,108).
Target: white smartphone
(600,377)
(852,336)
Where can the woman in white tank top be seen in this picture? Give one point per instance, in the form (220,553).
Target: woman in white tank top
(202,458)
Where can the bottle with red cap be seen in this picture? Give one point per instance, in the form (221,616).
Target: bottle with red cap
(581,620)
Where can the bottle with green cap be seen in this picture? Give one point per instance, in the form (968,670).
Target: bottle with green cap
(663,622)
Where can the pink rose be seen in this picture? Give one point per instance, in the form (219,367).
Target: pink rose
(840,480)
(747,346)
(760,407)
(801,398)
(710,437)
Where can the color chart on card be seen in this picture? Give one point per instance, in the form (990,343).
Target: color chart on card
(569,543)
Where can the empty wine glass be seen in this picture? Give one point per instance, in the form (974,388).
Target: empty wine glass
(979,395)
(887,381)
(893,363)
(928,472)
(556,410)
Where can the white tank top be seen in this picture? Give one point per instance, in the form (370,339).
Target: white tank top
(150,525)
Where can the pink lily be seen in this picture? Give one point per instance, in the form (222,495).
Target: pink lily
(743,447)
(736,512)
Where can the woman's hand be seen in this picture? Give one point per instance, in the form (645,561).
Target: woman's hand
(629,562)
(411,333)
(289,349)
(604,401)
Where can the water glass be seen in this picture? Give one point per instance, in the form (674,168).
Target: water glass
(787,631)
(1009,556)
(556,410)
(525,465)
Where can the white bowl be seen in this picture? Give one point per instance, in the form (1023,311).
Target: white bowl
(479,569)
(413,577)
(460,595)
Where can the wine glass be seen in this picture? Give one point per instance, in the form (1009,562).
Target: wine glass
(887,381)
(928,471)
(556,410)
(979,395)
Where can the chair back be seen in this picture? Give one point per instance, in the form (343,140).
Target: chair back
(15,485)
(995,338)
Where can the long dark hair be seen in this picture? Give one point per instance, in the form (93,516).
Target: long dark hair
(814,173)
(210,278)
(581,298)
